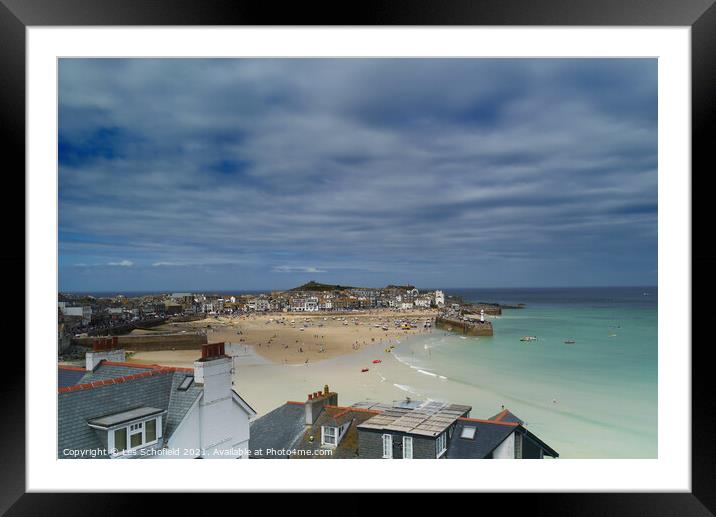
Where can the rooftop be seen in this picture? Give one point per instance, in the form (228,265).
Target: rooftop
(125,416)
(429,418)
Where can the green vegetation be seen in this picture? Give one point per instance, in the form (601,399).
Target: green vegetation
(315,286)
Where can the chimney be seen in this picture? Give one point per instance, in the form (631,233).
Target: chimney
(104,349)
(317,401)
(213,371)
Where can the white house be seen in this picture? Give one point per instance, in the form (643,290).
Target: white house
(423,302)
(118,410)
(439,298)
(84,312)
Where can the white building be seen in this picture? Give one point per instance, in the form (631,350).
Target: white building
(84,312)
(423,302)
(308,304)
(439,298)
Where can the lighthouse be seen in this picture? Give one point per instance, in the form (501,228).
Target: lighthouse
(482,315)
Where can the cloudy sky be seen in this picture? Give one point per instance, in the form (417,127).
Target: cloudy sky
(266,173)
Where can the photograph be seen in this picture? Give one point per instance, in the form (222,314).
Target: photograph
(357,258)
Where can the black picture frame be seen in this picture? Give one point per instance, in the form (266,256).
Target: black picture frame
(700,15)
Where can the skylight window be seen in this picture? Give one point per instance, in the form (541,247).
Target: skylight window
(468,433)
(186,383)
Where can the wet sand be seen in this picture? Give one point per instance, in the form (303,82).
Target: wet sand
(265,385)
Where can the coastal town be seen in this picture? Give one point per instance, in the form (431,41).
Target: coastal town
(162,366)
(185,320)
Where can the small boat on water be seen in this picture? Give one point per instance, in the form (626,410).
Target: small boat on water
(364,370)
(528,338)
(376,361)
(569,341)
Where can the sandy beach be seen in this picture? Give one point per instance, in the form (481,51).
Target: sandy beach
(300,338)
(266,384)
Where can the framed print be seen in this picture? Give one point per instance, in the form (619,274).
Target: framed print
(434,235)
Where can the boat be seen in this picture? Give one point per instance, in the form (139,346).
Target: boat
(528,338)
(569,341)
(376,361)
(364,370)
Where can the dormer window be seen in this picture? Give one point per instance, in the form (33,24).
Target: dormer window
(131,430)
(468,432)
(331,435)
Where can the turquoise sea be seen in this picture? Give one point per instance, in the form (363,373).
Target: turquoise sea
(596,398)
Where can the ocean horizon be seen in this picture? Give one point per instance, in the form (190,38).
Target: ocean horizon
(500,291)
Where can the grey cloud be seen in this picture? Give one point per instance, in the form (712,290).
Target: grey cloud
(383,167)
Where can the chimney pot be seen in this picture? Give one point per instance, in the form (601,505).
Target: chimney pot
(310,396)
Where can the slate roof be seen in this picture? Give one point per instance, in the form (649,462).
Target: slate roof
(108,370)
(335,417)
(506,416)
(75,408)
(278,429)
(180,402)
(116,388)
(69,376)
(488,435)
(284,428)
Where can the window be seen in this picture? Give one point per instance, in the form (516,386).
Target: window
(137,435)
(440,445)
(329,435)
(407,447)
(468,433)
(186,383)
(151,431)
(120,439)
(387,446)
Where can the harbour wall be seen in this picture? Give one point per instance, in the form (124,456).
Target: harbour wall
(127,327)
(464,327)
(149,342)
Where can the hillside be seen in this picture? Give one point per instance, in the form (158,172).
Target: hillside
(315,286)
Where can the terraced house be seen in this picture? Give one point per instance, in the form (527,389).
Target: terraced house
(405,429)
(114,409)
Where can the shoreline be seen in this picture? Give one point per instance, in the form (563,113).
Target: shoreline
(303,338)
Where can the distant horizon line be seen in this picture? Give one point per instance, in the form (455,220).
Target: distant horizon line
(162,291)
